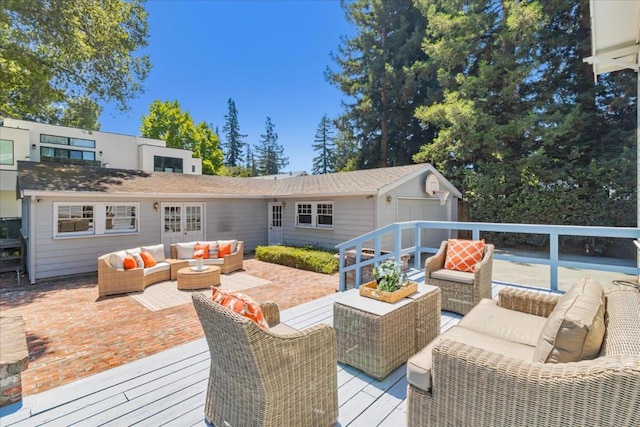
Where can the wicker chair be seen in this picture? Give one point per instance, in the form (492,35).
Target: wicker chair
(460,291)
(472,386)
(280,377)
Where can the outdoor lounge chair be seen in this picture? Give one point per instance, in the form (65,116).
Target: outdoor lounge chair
(280,377)
(461,291)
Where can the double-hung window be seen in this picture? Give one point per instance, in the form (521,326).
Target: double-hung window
(94,219)
(314,215)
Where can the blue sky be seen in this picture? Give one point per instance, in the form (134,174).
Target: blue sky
(268,56)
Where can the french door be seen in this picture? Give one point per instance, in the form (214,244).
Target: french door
(182,222)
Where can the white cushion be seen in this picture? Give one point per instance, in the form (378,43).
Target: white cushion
(575,328)
(419,365)
(454,276)
(185,250)
(233,243)
(135,253)
(156,251)
(161,266)
(116,259)
(512,325)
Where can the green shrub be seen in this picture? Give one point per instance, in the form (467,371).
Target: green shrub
(305,259)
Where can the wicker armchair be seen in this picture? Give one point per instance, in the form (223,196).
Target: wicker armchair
(472,386)
(280,377)
(460,291)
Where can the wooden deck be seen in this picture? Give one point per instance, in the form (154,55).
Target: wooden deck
(168,388)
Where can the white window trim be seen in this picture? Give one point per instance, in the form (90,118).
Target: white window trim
(314,215)
(99,220)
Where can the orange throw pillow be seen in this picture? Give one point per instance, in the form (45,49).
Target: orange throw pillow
(241,304)
(203,248)
(129,262)
(148,259)
(224,250)
(463,255)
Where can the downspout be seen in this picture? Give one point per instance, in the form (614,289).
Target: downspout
(32,244)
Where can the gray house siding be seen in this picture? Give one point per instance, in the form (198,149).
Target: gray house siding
(352,217)
(240,219)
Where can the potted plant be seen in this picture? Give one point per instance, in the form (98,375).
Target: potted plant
(389,276)
(390,283)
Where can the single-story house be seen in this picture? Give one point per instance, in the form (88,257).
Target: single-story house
(72,214)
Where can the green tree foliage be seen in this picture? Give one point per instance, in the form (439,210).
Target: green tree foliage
(346,148)
(270,159)
(168,122)
(233,145)
(382,70)
(58,59)
(324,146)
(523,130)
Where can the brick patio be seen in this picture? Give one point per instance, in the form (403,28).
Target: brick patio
(72,334)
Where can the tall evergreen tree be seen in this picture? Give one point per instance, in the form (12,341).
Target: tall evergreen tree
(382,70)
(233,144)
(270,158)
(523,130)
(324,146)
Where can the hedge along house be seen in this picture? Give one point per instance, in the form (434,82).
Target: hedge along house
(72,214)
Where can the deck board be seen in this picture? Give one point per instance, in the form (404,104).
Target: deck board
(169,388)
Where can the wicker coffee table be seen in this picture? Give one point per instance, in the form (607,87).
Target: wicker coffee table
(189,278)
(374,336)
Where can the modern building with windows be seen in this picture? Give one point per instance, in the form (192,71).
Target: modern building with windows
(38,142)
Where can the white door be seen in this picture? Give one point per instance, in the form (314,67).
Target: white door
(275,223)
(182,222)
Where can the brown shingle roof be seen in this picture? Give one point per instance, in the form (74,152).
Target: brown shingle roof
(57,177)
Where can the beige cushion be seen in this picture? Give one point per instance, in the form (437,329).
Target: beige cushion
(233,244)
(282,329)
(156,251)
(185,250)
(116,259)
(453,276)
(511,325)
(208,261)
(575,328)
(161,266)
(419,365)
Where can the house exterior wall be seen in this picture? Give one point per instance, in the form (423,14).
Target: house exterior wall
(9,206)
(241,219)
(353,216)
(410,202)
(146,153)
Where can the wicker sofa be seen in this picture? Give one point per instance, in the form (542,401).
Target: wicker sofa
(485,371)
(114,279)
(183,252)
(280,377)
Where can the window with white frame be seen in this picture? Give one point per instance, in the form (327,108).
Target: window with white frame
(74,219)
(121,218)
(314,214)
(93,219)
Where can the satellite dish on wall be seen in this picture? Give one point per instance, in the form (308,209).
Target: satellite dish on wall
(432,185)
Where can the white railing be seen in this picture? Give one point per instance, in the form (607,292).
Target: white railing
(394,232)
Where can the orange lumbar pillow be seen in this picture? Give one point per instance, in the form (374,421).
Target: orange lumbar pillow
(224,250)
(463,255)
(149,260)
(129,262)
(201,249)
(241,304)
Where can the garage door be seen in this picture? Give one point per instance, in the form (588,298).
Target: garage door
(423,210)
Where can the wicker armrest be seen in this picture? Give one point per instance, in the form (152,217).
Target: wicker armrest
(478,387)
(271,313)
(530,302)
(436,262)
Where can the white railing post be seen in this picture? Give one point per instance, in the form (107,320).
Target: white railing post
(417,253)
(553,261)
(341,264)
(358,260)
(398,243)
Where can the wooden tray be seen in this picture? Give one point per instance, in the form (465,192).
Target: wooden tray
(370,290)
